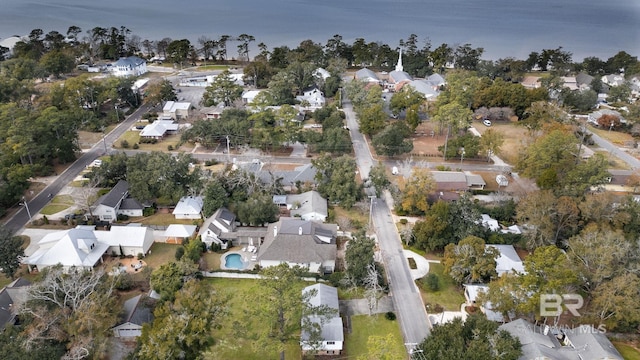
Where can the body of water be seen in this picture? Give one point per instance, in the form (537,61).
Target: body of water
(502,27)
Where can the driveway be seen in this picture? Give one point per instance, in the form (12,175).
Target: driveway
(361,306)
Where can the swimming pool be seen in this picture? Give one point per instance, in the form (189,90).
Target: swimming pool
(233,261)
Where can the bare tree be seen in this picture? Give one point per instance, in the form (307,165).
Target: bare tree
(373,290)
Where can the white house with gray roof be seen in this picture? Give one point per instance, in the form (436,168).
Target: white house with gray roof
(116,202)
(129,66)
(307,206)
(299,242)
(222,224)
(289,179)
(189,207)
(544,342)
(331,329)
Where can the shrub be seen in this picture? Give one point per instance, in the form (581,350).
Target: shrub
(336,278)
(148,211)
(170,147)
(432,282)
(140,256)
(124,144)
(136,146)
(390,315)
(179,253)
(412,263)
(403,221)
(211,162)
(123,217)
(45,220)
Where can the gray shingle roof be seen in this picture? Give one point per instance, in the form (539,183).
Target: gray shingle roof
(136,312)
(308,202)
(299,241)
(113,197)
(11,296)
(332,329)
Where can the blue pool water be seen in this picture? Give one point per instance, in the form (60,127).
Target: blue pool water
(233,261)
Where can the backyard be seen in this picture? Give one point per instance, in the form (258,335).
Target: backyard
(363,326)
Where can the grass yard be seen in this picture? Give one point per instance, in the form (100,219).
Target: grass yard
(212,260)
(616,137)
(212,67)
(363,326)
(57,204)
(229,341)
(513,135)
(449,296)
(160,253)
(162,219)
(356,217)
(627,351)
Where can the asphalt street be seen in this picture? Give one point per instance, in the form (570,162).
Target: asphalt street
(407,301)
(21,218)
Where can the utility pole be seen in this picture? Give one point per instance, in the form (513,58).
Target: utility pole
(461,155)
(26,206)
(446,141)
(371,210)
(228,149)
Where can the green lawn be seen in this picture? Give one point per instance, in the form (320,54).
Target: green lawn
(212,67)
(627,351)
(162,219)
(229,341)
(212,260)
(364,326)
(57,204)
(449,296)
(160,253)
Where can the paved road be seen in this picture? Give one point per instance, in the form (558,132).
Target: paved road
(407,301)
(21,218)
(615,151)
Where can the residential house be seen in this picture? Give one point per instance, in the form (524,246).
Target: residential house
(508,260)
(545,342)
(77,248)
(11,297)
(129,66)
(367,75)
(584,81)
(299,242)
(531,82)
(471,295)
(436,79)
(131,239)
(331,329)
(249,96)
(212,112)
(613,79)
(289,178)
(313,96)
(189,207)
(158,129)
(321,74)
(489,222)
(457,181)
(594,116)
(307,206)
(176,110)
(221,223)
(136,314)
(116,202)
(83,247)
(569,82)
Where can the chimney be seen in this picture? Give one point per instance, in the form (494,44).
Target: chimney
(275,231)
(300,230)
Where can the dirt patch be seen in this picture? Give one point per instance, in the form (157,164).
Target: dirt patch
(87,139)
(513,136)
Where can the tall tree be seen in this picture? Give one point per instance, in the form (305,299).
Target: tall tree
(379,178)
(281,305)
(393,140)
(336,179)
(182,328)
(10,252)
(358,256)
(470,261)
(223,90)
(416,192)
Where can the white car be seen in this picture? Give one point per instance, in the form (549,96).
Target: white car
(486,122)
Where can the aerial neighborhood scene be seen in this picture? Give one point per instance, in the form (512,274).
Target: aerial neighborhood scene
(224,198)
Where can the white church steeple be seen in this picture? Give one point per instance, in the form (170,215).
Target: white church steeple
(399,65)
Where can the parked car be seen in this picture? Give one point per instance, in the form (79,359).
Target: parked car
(486,122)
